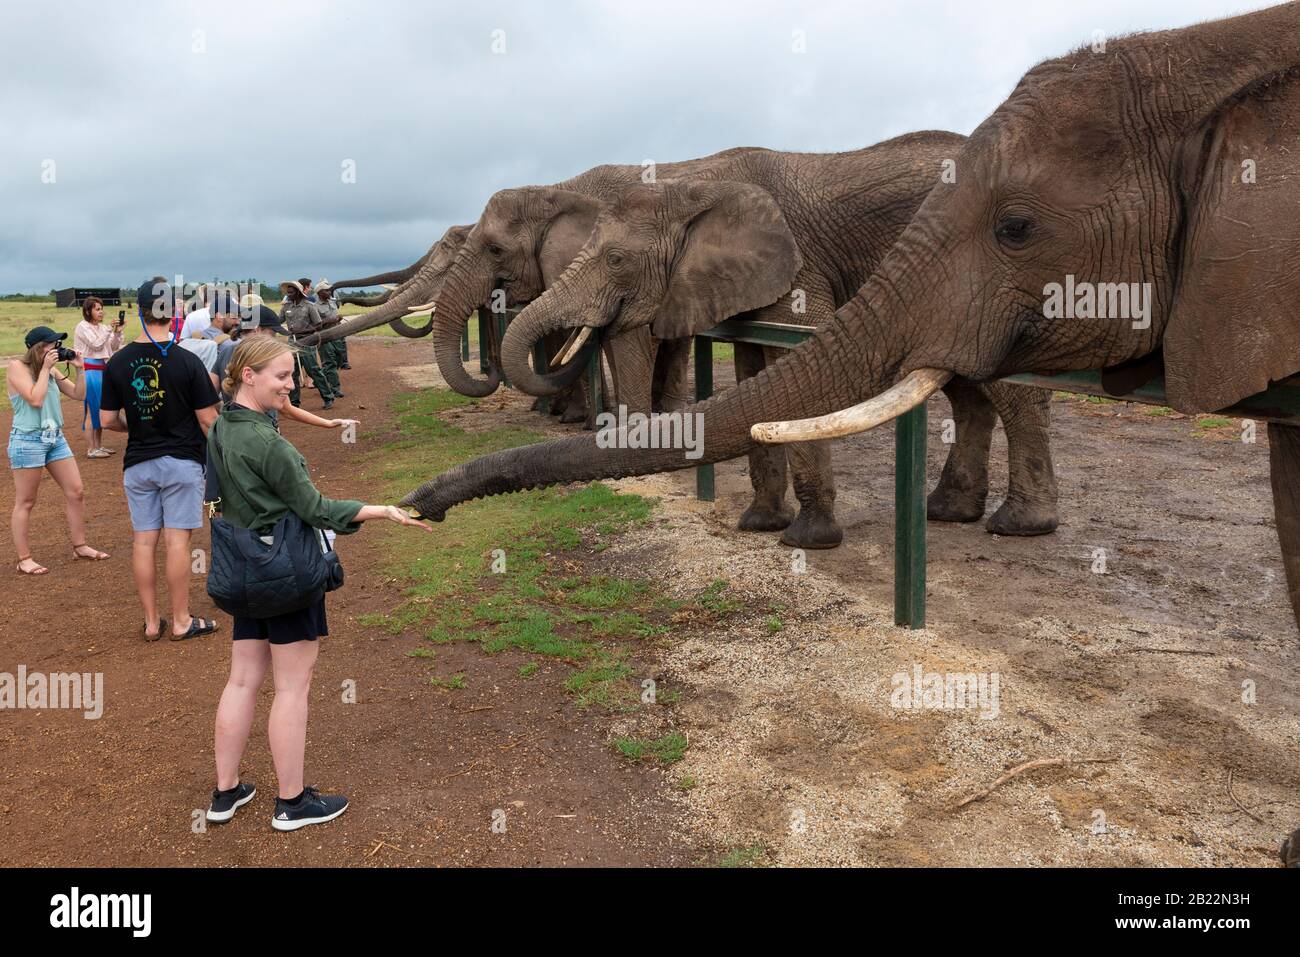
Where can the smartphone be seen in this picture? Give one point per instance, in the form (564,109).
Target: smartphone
(121,317)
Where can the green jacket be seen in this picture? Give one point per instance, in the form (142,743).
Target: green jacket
(263,476)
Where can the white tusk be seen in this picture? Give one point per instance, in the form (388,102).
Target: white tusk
(420,310)
(387,285)
(574,346)
(906,394)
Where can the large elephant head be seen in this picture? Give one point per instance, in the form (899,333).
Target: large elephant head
(1168,160)
(523,241)
(676,256)
(420,283)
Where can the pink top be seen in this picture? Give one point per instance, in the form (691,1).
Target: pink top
(96,341)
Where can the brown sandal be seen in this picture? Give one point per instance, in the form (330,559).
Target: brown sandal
(97,557)
(38,570)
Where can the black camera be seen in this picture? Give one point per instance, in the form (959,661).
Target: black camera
(65,355)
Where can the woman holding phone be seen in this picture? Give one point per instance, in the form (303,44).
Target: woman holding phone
(94,343)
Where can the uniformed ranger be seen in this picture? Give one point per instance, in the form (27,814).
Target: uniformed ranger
(302,318)
(332,356)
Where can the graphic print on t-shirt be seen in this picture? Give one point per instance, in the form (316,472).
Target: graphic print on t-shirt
(146,385)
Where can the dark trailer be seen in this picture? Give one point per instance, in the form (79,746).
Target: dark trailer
(76,296)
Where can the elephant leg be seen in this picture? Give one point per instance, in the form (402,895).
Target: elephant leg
(1031,504)
(767,463)
(814,487)
(1284,469)
(632,366)
(963,486)
(671,392)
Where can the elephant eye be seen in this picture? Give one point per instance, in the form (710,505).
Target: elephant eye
(614,258)
(1013,231)
(494,250)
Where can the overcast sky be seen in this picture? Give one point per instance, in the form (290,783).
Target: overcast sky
(210,139)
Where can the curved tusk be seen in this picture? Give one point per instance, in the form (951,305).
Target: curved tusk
(906,394)
(387,285)
(421,310)
(559,356)
(574,346)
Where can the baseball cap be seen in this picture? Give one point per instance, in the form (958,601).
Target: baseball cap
(262,318)
(155,299)
(44,334)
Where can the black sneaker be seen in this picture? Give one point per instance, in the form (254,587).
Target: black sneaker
(345,366)
(312,808)
(226,803)
(329,404)
(338,395)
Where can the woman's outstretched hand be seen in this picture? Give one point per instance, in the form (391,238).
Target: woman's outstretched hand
(402,518)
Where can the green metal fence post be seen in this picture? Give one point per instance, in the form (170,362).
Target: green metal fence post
(909,518)
(483,339)
(595,394)
(704,488)
(464,344)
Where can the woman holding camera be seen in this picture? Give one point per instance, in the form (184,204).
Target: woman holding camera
(36,441)
(95,343)
(262,477)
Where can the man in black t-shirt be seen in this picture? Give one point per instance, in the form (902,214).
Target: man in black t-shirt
(162,397)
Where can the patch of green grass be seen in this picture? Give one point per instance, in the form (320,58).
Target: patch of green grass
(602,682)
(528,670)
(773,624)
(669,749)
(687,783)
(422,653)
(714,598)
(1159,411)
(457,682)
(1206,422)
(752,856)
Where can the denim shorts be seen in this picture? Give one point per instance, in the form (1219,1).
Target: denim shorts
(166,492)
(35,450)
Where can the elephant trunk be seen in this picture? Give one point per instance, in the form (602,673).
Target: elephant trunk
(467,286)
(417,290)
(547,315)
(396,277)
(819,377)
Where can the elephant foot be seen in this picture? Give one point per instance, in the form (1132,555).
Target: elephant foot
(1291,850)
(764,518)
(1023,518)
(813,529)
(573,412)
(537,405)
(947,504)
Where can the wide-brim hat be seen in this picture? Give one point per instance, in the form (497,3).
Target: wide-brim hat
(251,301)
(324,284)
(293,284)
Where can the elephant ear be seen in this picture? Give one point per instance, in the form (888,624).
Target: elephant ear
(1235,321)
(737,254)
(572,217)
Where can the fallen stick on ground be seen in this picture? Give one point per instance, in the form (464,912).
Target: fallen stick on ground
(1028,766)
(1241,807)
(1175,651)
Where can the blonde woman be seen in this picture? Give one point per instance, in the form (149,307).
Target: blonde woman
(36,443)
(262,476)
(95,343)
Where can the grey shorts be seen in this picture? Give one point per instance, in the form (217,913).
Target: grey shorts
(164,493)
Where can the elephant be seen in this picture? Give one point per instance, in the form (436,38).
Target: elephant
(1166,159)
(781,237)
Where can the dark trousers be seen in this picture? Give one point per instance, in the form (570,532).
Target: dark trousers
(330,362)
(307,364)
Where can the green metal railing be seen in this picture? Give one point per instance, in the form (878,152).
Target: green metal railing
(1280,403)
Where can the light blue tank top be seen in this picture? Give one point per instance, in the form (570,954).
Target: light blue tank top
(29,418)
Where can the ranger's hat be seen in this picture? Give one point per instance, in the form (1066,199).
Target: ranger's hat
(294,284)
(250,301)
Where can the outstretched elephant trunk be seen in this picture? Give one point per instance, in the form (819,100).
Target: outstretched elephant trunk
(396,277)
(819,377)
(414,292)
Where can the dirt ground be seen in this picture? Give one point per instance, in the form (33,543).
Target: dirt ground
(1173,669)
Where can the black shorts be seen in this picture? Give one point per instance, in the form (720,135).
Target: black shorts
(305,625)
